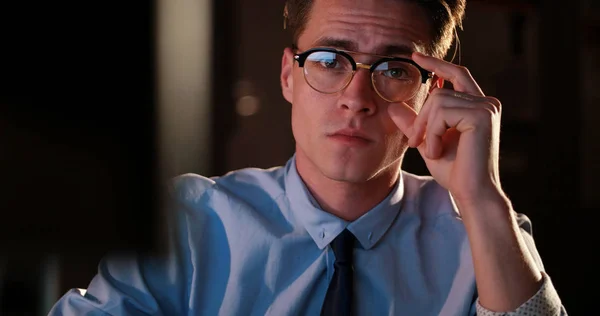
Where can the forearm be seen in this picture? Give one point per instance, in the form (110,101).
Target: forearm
(505,272)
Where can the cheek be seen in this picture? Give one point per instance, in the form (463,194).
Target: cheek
(311,108)
(387,125)
(308,114)
(418,101)
(394,140)
(391,129)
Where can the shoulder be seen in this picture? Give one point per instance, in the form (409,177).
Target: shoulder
(190,187)
(244,185)
(250,181)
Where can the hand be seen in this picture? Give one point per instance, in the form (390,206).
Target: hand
(456,132)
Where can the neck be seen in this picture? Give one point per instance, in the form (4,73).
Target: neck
(348,200)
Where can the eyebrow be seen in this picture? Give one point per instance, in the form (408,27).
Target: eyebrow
(389,50)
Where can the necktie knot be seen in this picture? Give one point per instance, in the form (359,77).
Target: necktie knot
(343,246)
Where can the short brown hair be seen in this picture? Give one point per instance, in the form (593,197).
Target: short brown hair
(446,15)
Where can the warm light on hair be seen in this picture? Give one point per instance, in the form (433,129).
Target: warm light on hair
(446,17)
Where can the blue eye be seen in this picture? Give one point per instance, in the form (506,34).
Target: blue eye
(324,60)
(397,70)
(396,73)
(329,63)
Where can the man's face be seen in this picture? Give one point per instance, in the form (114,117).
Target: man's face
(323,124)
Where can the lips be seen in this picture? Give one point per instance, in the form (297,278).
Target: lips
(351,137)
(352,133)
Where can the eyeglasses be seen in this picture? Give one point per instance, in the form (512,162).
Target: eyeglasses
(329,70)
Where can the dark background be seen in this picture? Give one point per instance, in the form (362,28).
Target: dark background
(80,135)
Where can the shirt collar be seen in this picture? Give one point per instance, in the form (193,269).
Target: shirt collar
(323,227)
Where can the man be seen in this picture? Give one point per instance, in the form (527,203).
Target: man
(340,229)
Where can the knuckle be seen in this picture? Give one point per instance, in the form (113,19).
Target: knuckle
(464,70)
(495,102)
(490,108)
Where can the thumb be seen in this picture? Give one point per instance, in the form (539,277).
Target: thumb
(403,116)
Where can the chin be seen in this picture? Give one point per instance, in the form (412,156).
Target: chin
(355,178)
(347,165)
(347,175)
(350,169)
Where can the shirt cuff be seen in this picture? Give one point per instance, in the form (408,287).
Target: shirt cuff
(545,302)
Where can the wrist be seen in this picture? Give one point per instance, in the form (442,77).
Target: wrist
(492,204)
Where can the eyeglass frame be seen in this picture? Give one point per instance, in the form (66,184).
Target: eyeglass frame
(301,59)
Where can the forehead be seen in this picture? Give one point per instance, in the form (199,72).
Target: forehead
(369,26)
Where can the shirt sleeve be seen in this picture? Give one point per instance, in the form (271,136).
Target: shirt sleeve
(121,287)
(138,284)
(132,284)
(147,284)
(545,302)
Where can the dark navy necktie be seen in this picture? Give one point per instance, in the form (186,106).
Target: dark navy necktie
(338,300)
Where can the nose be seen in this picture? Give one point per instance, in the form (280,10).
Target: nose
(359,96)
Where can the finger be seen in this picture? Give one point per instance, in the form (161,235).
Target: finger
(474,101)
(453,98)
(403,116)
(437,128)
(440,97)
(459,76)
(463,119)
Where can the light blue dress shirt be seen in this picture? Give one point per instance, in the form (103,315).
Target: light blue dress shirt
(255,242)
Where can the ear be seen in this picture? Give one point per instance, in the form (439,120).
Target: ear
(436,82)
(287,74)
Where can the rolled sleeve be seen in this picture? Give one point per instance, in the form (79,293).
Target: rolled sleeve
(545,302)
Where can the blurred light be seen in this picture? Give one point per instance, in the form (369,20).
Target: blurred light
(247,105)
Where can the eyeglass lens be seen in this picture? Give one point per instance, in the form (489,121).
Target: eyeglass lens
(330,72)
